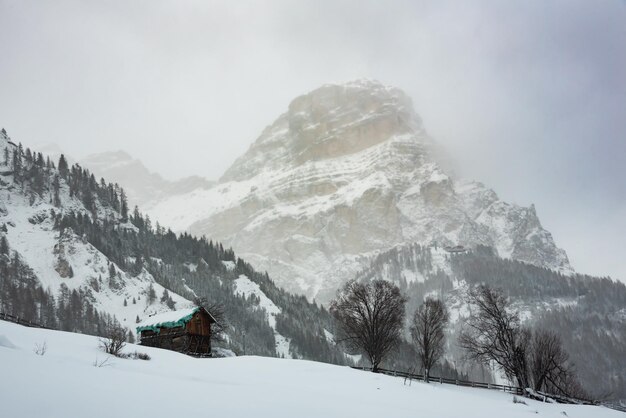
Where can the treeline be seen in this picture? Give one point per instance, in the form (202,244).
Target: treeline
(586,312)
(197,267)
(528,282)
(21,295)
(40,177)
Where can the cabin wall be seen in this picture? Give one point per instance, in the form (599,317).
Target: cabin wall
(181,341)
(194,338)
(200,324)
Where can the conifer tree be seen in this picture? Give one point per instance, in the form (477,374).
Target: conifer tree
(56,188)
(123,205)
(151,295)
(63,168)
(4,245)
(17,164)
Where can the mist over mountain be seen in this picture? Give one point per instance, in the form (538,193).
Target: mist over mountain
(347,172)
(144,187)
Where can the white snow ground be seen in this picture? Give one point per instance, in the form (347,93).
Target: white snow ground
(65,383)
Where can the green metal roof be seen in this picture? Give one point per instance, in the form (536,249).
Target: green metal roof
(171,319)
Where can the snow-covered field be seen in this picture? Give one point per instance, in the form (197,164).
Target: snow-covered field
(65,383)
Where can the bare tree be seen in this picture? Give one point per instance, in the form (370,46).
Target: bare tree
(114,341)
(370,317)
(548,359)
(493,333)
(532,359)
(102,363)
(550,367)
(427,330)
(40,349)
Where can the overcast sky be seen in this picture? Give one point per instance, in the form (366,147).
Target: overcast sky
(528,96)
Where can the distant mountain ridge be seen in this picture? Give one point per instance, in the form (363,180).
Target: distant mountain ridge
(144,188)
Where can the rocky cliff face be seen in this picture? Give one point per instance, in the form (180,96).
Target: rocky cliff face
(345,173)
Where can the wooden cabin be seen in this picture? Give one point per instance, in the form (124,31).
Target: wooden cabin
(187,331)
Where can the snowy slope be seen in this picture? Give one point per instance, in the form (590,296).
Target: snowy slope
(52,254)
(247,287)
(347,172)
(67,385)
(79,263)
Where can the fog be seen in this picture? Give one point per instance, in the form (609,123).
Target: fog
(528,97)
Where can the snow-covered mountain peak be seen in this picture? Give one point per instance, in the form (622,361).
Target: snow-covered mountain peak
(332,121)
(346,172)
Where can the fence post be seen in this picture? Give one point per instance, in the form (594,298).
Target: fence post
(440,380)
(456,382)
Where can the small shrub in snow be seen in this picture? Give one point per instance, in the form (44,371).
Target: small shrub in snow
(102,363)
(114,342)
(40,349)
(139,356)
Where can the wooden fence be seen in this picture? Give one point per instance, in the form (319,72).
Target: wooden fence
(435,379)
(20,321)
(537,395)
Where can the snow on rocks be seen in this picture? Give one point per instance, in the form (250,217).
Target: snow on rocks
(346,172)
